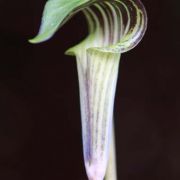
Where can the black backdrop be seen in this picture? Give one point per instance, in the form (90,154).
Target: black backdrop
(40,131)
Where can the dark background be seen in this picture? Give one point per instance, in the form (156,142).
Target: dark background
(40,131)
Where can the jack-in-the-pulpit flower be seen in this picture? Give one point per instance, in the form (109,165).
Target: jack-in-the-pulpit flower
(115,26)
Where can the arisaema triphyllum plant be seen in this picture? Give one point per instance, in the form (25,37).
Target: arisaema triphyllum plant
(115,27)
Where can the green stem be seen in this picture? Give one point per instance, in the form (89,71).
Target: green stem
(111,172)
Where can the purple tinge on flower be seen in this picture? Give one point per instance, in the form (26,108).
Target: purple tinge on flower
(115,26)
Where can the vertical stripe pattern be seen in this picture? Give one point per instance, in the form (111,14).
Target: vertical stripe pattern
(115,27)
(97,91)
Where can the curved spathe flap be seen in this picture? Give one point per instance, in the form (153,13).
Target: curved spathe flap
(114,25)
(56,13)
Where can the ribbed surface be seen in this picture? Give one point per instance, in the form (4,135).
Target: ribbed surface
(97,90)
(118,25)
(115,26)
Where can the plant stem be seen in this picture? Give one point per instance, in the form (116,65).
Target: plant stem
(111,172)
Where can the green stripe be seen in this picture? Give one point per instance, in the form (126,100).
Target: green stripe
(57,12)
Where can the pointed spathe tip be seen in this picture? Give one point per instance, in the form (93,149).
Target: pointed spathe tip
(32,41)
(40,37)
